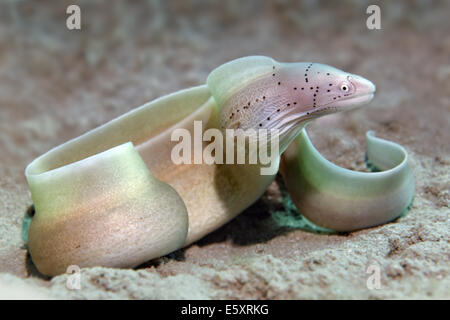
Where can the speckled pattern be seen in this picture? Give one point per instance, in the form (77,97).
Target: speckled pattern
(56,84)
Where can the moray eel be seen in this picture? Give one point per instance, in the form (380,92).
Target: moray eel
(114,197)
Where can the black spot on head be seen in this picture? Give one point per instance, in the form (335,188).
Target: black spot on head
(334,98)
(278,110)
(248,103)
(311,88)
(306,79)
(268,118)
(328,73)
(295,88)
(288,104)
(279,83)
(328,90)
(260,124)
(273,74)
(330,84)
(295,102)
(264,97)
(303,88)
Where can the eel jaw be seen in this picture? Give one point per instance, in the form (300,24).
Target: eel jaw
(353,102)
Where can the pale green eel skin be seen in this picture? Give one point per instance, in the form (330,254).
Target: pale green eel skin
(114,198)
(344,200)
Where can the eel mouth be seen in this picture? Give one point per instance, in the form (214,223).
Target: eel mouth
(348,103)
(353,101)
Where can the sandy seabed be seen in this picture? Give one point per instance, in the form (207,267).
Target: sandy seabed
(56,84)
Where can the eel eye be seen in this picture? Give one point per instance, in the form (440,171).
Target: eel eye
(344,88)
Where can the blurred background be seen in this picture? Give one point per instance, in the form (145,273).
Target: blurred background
(56,84)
